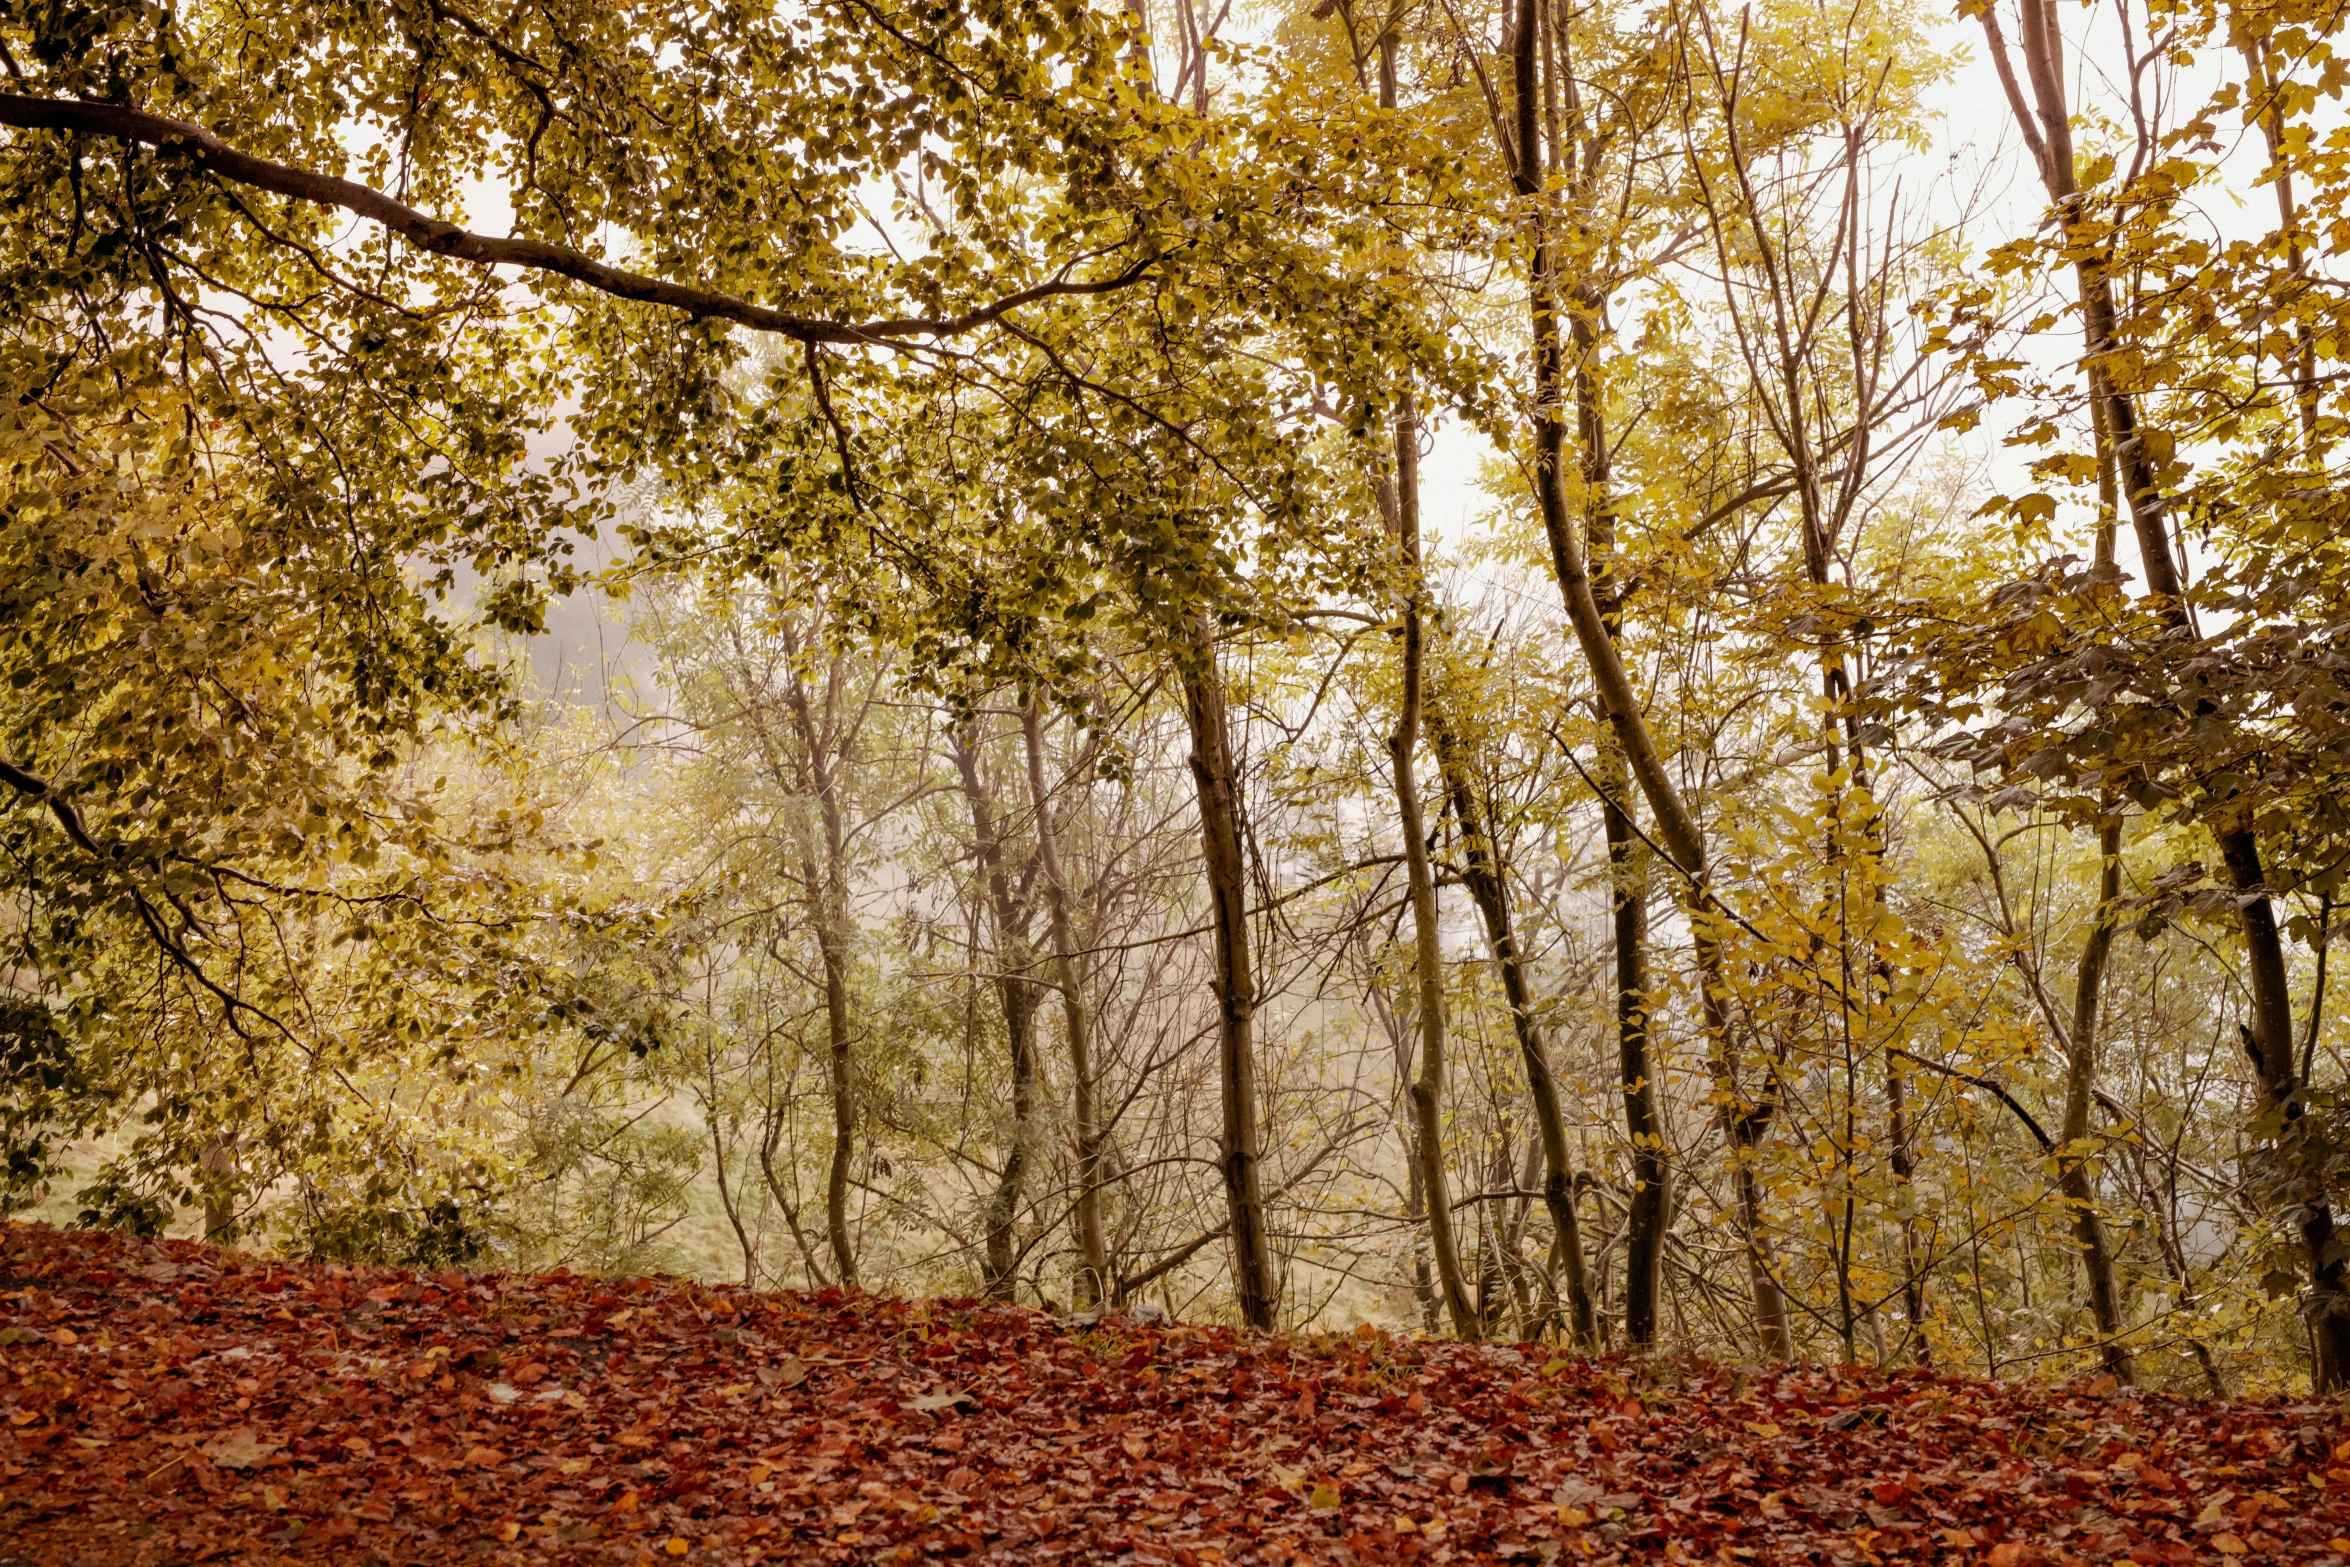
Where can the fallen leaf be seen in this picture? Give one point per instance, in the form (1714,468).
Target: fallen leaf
(239,1449)
(984,1429)
(932,1403)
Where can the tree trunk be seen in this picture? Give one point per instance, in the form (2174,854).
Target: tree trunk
(1018,997)
(2269,1037)
(2269,1041)
(1415,1208)
(1234,983)
(218,1160)
(1676,827)
(1427,1089)
(1644,1239)
(2075,1180)
(1904,1161)
(1651,1195)
(2073,1175)
(1093,1251)
(1489,888)
(828,882)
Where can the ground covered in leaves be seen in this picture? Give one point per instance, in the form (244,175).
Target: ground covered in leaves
(166,1403)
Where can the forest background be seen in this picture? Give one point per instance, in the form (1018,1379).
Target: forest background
(1833,857)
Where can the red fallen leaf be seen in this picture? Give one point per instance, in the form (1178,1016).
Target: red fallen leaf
(1129,1436)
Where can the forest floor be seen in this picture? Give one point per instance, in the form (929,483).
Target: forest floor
(166,1403)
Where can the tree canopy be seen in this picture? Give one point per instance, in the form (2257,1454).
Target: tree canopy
(1564,671)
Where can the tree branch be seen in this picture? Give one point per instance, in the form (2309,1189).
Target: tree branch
(59,806)
(432,235)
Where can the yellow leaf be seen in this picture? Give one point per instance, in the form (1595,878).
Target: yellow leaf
(677,1545)
(1762,1428)
(1323,1498)
(2228,1545)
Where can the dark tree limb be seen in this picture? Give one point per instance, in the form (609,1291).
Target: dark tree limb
(59,806)
(431,234)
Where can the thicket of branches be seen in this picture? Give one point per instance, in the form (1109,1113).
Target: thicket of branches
(1838,860)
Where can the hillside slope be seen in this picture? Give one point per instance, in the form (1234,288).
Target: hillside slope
(167,1403)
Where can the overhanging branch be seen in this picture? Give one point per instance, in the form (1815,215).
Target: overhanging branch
(71,820)
(431,234)
(59,806)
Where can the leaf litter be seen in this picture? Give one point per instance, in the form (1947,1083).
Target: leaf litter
(166,1403)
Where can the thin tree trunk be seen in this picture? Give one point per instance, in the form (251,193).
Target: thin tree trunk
(2175,1263)
(1904,1161)
(1482,870)
(1676,827)
(219,1162)
(1627,874)
(2269,1041)
(726,1196)
(1415,1208)
(2269,1036)
(1651,1196)
(1092,1250)
(2073,1174)
(842,1081)
(1234,982)
(829,882)
(1427,1088)
(1018,997)
(2074,1178)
